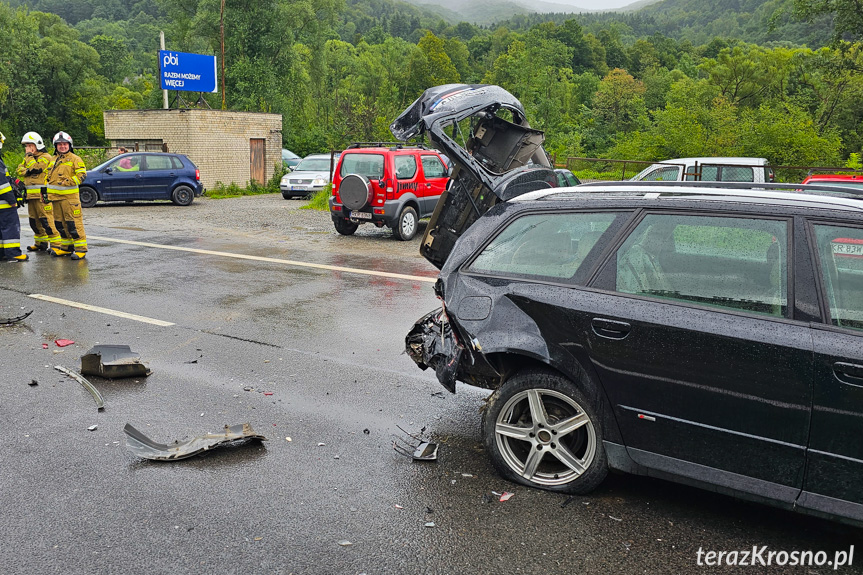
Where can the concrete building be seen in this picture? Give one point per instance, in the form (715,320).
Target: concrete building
(226,146)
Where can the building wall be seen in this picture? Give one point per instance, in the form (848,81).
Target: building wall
(217,141)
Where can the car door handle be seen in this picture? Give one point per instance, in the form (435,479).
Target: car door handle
(610,328)
(138,176)
(171,174)
(849,373)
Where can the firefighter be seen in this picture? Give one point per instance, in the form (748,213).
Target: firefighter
(65,173)
(10,225)
(33,171)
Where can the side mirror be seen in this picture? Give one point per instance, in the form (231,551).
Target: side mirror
(109,170)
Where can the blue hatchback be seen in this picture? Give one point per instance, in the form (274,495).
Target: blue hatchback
(142,176)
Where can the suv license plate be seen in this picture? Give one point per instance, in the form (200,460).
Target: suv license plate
(361,215)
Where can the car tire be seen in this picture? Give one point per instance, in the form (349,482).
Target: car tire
(182,195)
(88,197)
(406,226)
(345,227)
(528,432)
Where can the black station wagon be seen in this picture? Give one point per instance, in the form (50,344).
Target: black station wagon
(705,333)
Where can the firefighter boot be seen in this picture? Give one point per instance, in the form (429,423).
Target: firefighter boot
(58,253)
(21,258)
(79,255)
(39,247)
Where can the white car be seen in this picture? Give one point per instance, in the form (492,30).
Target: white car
(708,170)
(309,177)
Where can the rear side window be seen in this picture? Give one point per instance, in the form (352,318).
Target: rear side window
(433,167)
(720,173)
(543,245)
(666,174)
(158,163)
(840,253)
(406,167)
(368,165)
(737,263)
(176,162)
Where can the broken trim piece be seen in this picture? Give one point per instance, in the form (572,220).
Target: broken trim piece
(146,448)
(113,361)
(11,320)
(100,403)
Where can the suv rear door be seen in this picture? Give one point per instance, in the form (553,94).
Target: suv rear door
(435,174)
(701,365)
(835,457)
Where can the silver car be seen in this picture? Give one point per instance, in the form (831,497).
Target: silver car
(309,177)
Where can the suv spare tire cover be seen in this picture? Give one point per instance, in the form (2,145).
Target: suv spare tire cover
(356,191)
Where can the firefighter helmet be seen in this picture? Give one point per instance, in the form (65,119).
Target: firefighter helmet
(33,138)
(61,137)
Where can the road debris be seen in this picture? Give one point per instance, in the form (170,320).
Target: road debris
(100,403)
(422,450)
(429,524)
(569,500)
(93,428)
(63,342)
(11,320)
(615,518)
(113,361)
(345,543)
(505,496)
(33,382)
(144,447)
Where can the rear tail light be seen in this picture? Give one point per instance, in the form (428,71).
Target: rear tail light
(390,191)
(197,174)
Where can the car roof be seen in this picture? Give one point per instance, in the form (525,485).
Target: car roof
(823,196)
(833,177)
(716,160)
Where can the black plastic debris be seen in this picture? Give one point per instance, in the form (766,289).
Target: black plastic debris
(11,320)
(100,403)
(419,449)
(144,447)
(113,362)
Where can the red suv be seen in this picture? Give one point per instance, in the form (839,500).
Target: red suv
(391,185)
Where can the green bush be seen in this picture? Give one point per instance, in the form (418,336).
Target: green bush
(320,201)
(233,190)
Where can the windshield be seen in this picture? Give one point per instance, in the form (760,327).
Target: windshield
(313,165)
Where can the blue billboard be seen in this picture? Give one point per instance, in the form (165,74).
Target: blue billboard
(187,72)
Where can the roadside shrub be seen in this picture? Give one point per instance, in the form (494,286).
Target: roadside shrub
(320,201)
(221,191)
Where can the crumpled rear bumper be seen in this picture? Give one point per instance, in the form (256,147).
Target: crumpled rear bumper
(432,343)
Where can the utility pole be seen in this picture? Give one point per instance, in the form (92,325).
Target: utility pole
(164,92)
(222,42)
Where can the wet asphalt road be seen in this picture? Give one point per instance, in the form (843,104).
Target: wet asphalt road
(328,345)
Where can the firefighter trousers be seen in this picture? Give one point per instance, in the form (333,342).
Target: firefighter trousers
(42,222)
(69,223)
(10,231)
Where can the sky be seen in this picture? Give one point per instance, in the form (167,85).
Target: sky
(595,4)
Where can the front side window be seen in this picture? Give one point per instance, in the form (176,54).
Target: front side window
(666,174)
(433,167)
(368,165)
(127,163)
(840,253)
(543,245)
(406,167)
(737,263)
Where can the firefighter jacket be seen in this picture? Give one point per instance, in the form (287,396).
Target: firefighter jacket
(33,171)
(65,174)
(8,200)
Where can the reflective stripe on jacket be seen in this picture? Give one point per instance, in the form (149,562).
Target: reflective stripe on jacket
(38,160)
(67,171)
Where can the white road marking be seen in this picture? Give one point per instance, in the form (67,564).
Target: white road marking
(271,260)
(105,310)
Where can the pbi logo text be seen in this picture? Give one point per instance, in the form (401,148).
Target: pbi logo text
(170,60)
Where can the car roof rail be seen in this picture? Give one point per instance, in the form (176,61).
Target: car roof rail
(390,145)
(833,194)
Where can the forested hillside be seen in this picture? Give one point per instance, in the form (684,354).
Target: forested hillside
(623,86)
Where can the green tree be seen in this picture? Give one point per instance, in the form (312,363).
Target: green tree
(619,101)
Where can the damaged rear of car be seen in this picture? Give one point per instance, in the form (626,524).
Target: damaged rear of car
(498,159)
(483,130)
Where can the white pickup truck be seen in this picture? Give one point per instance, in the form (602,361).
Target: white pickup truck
(708,170)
